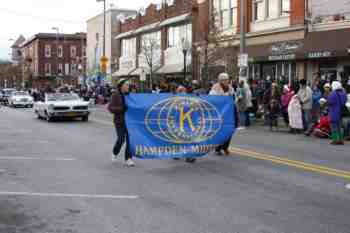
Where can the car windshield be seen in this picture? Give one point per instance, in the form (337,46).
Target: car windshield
(62,97)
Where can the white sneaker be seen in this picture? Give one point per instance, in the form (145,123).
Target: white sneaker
(129,163)
(114,158)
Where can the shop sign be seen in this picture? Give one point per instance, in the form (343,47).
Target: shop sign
(282,57)
(285,47)
(243,60)
(319,54)
(127,63)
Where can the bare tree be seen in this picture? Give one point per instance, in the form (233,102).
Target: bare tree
(150,53)
(219,50)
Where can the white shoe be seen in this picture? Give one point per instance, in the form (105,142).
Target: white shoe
(129,163)
(114,158)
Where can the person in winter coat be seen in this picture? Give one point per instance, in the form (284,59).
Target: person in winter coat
(242,105)
(223,88)
(316,108)
(118,108)
(285,100)
(295,114)
(336,102)
(305,98)
(274,107)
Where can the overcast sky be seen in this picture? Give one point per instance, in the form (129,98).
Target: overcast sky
(29,17)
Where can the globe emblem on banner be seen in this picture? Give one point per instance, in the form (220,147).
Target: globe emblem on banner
(183,119)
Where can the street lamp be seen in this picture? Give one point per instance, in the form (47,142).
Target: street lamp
(56,57)
(185,49)
(104,59)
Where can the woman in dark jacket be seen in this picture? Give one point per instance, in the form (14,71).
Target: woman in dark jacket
(336,102)
(118,107)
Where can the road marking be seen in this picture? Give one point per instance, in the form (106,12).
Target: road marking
(292,163)
(68,195)
(347,186)
(35,158)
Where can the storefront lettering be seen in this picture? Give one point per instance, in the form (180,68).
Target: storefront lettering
(319,54)
(285,47)
(126,64)
(282,57)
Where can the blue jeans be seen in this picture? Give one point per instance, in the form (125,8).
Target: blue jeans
(307,119)
(242,119)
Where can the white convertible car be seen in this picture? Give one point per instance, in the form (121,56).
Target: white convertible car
(62,105)
(20,99)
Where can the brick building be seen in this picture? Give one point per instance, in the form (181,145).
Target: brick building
(286,39)
(94,48)
(54,59)
(10,75)
(159,34)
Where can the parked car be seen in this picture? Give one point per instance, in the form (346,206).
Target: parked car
(62,105)
(6,93)
(20,99)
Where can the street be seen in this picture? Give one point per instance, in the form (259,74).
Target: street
(58,178)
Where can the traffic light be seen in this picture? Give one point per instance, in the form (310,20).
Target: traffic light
(103,64)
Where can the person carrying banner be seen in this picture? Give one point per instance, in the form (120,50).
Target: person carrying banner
(118,108)
(223,88)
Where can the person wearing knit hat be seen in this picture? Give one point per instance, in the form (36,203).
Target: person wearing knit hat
(118,108)
(336,102)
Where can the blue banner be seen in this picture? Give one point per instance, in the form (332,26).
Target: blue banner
(163,126)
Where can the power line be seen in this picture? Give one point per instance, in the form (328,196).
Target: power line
(36,17)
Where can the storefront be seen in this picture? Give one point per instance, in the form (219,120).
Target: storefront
(279,61)
(328,55)
(323,54)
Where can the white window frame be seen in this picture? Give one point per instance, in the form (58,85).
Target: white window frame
(73,51)
(128,47)
(47,51)
(60,69)
(60,51)
(266,5)
(48,69)
(176,34)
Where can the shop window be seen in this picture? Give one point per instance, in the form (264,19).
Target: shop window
(176,34)
(129,47)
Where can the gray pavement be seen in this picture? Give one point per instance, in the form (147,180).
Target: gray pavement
(58,177)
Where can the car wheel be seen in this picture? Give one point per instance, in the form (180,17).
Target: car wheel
(85,118)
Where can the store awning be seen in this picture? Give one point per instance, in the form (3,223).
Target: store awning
(125,34)
(120,73)
(147,28)
(171,69)
(138,71)
(319,44)
(174,20)
(333,43)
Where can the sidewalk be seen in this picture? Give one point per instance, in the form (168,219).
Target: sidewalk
(292,146)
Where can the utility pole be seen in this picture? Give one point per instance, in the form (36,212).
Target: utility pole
(243,56)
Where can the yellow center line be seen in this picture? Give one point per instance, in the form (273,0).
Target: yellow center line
(292,163)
